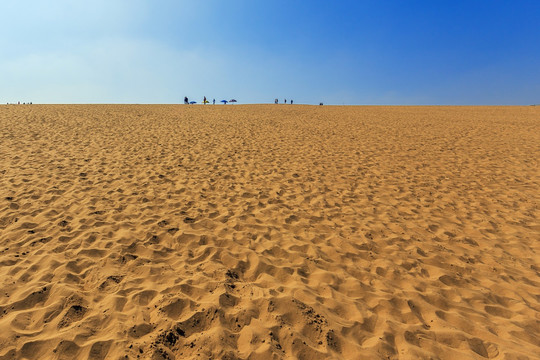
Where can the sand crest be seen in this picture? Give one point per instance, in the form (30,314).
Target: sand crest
(269,232)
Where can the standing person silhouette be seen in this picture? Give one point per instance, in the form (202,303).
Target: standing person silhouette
(214,102)
(285,101)
(186,100)
(204,101)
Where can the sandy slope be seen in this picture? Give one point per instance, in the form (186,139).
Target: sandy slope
(269,232)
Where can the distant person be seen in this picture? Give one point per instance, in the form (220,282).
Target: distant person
(285,101)
(204,101)
(186,100)
(275,101)
(291,101)
(214,102)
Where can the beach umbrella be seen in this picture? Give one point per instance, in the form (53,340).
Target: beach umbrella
(224,101)
(192,102)
(233,100)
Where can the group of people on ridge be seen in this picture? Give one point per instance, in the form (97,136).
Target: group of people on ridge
(205,101)
(276,101)
(186,101)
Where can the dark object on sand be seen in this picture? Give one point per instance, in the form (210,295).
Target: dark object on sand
(320,103)
(224,101)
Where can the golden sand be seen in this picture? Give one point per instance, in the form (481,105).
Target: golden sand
(269,232)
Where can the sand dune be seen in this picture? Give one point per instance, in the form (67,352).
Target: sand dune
(269,232)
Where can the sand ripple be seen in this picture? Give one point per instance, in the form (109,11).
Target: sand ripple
(269,232)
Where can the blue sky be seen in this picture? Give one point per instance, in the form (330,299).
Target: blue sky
(337,52)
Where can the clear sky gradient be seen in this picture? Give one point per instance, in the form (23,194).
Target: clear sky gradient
(338,52)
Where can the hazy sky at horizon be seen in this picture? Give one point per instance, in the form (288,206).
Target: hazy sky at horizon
(338,52)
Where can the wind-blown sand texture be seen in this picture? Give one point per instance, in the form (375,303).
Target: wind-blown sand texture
(269,232)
